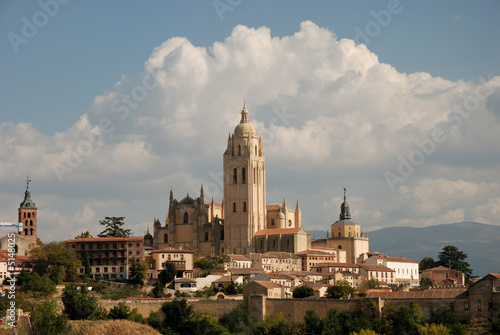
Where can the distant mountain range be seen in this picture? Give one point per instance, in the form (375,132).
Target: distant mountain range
(481,243)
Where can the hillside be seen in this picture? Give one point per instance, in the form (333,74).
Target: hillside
(481,242)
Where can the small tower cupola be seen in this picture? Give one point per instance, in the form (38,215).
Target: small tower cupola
(244,128)
(27,202)
(345,212)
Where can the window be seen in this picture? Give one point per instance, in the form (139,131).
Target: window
(431,307)
(206,236)
(243,176)
(165,238)
(186,217)
(256,151)
(239,150)
(479,305)
(235,176)
(452,306)
(466,306)
(222,237)
(254,176)
(29,215)
(97,270)
(340,234)
(138,244)
(234,207)
(272,222)
(244,206)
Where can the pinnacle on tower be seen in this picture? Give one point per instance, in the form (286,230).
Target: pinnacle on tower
(284,202)
(297,208)
(345,213)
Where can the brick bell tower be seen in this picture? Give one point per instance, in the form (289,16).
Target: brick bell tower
(28,216)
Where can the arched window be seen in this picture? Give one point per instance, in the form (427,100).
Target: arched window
(16,248)
(272,222)
(274,243)
(232,150)
(25,215)
(234,207)
(287,242)
(31,231)
(254,176)
(206,236)
(261,245)
(222,236)
(243,176)
(244,206)
(31,222)
(165,238)
(235,176)
(340,247)
(340,235)
(289,223)
(26,222)
(256,151)
(186,217)
(26,231)
(239,150)
(29,215)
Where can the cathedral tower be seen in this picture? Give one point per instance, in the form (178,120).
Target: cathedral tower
(28,215)
(244,187)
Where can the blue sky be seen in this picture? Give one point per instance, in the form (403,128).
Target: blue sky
(436,53)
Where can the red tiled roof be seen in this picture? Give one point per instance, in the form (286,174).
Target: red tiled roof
(314,252)
(239,257)
(376,267)
(337,265)
(279,254)
(170,249)
(277,231)
(104,239)
(428,294)
(5,257)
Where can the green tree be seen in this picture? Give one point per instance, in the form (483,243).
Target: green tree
(451,257)
(341,290)
(495,327)
(238,321)
(220,259)
(85,234)
(426,263)
(446,317)
(402,320)
(45,319)
(119,312)
(205,324)
(78,304)
(203,263)
(275,325)
(168,274)
(313,322)
(138,272)
(57,261)
(433,329)
(38,285)
(302,292)
(426,282)
(114,227)
(155,320)
(231,288)
(364,332)
(372,283)
(177,316)
(158,291)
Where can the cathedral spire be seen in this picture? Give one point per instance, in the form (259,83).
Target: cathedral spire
(345,213)
(244,113)
(297,208)
(171,195)
(284,202)
(27,202)
(202,196)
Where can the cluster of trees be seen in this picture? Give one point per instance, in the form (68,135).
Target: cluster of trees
(216,262)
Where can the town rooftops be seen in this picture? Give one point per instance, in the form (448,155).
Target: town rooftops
(235,257)
(172,250)
(104,239)
(448,293)
(439,268)
(335,265)
(278,254)
(316,252)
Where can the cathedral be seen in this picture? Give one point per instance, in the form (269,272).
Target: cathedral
(242,223)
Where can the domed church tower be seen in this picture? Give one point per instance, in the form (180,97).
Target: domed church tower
(244,187)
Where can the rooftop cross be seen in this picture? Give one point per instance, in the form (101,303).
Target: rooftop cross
(28,180)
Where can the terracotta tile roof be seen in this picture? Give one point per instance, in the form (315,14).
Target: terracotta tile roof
(428,294)
(104,239)
(438,268)
(314,252)
(278,254)
(335,265)
(495,275)
(4,257)
(273,207)
(267,284)
(226,279)
(277,231)
(170,250)
(245,271)
(376,267)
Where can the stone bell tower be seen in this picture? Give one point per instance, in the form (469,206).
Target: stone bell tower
(28,216)
(244,187)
